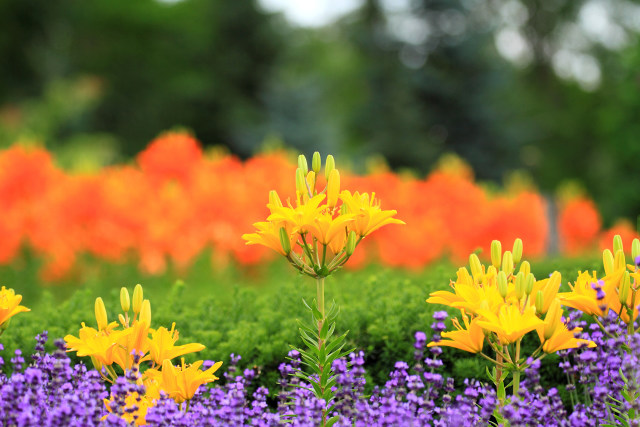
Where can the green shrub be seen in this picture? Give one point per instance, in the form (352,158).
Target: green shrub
(231,312)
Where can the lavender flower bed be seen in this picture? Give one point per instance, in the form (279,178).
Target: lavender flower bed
(52,392)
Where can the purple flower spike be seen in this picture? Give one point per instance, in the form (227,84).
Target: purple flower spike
(440,315)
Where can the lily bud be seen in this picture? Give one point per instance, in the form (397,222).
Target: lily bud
(528,283)
(550,290)
(476,267)
(517,250)
(620,262)
(137,298)
(301,183)
(617,244)
(625,287)
(635,248)
(520,285)
(284,241)
(329,165)
(122,319)
(311,179)
(125,301)
(496,253)
(502,284)
(507,262)
(607,261)
(145,312)
(101,314)
(316,162)
(539,302)
(351,243)
(302,164)
(333,188)
(525,267)
(274,199)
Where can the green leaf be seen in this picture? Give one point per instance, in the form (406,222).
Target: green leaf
(314,367)
(302,387)
(324,330)
(308,329)
(332,382)
(501,391)
(316,390)
(308,339)
(328,395)
(331,329)
(316,314)
(335,342)
(325,376)
(309,359)
(331,421)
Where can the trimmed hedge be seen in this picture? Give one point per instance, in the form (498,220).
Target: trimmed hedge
(253,312)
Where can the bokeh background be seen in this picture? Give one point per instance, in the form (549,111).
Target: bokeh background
(546,87)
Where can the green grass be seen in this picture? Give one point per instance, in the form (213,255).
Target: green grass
(253,312)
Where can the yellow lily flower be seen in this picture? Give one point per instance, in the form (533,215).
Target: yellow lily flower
(368,215)
(510,324)
(100,345)
(554,334)
(299,219)
(135,408)
(136,339)
(10,304)
(325,228)
(584,298)
(181,383)
(470,338)
(268,235)
(470,297)
(162,345)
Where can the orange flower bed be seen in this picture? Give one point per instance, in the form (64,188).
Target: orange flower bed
(175,201)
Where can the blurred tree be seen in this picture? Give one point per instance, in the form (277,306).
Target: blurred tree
(193,63)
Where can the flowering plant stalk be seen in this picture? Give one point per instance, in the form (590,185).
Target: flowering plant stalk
(318,236)
(614,294)
(499,307)
(117,352)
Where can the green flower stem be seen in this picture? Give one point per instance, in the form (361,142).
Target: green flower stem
(633,304)
(321,343)
(516,372)
(320,289)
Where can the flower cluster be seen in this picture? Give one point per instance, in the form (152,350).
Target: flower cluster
(52,392)
(132,212)
(617,291)
(49,391)
(321,232)
(499,307)
(122,348)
